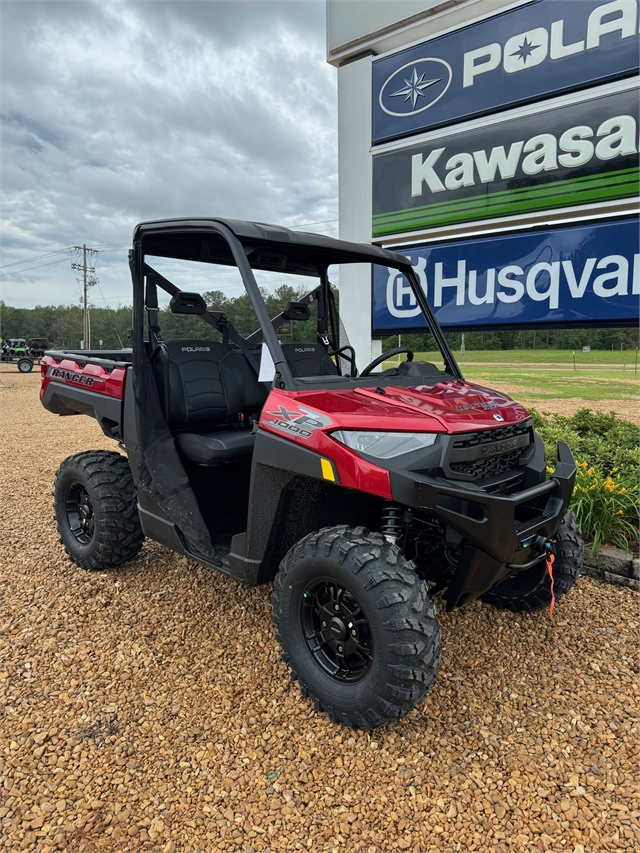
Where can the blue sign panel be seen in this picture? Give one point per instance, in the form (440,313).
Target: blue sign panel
(582,275)
(542,48)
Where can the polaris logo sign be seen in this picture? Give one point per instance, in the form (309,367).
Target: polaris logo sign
(575,276)
(525,54)
(583,153)
(196,349)
(417,93)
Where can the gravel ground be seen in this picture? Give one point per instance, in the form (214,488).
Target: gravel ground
(147,708)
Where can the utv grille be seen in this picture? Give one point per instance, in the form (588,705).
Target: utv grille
(481,469)
(488,436)
(483,465)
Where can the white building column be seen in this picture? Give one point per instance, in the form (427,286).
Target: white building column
(355,199)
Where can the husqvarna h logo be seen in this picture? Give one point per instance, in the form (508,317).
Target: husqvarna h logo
(401,300)
(415,87)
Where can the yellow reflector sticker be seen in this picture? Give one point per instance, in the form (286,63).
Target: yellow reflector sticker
(327,470)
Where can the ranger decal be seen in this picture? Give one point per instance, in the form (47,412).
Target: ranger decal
(72,376)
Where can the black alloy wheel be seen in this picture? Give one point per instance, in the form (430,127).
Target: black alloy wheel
(80,515)
(96,509)
(356,625)
(336,631)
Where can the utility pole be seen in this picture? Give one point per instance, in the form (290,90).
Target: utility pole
(87,282)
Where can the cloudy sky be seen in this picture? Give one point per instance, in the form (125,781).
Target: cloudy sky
(117,112)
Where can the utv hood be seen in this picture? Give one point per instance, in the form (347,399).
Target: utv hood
(454,407)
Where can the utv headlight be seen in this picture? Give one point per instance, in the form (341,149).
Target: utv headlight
(384,445)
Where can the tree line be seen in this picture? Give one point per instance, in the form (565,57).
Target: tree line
(62,326)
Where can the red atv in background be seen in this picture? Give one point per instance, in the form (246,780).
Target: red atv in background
(350,490)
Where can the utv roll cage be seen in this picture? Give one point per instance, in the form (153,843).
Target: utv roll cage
(254,245)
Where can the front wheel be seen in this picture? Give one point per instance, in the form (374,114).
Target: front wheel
(531,590)
(357,626)
(95,509)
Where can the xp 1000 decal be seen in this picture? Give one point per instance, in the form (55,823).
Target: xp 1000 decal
(297,421)
(580,275)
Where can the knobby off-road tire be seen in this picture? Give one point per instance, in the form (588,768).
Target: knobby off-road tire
(532,589)
(95,509)
(383,621)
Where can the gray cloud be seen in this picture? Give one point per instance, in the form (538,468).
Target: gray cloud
(118,112)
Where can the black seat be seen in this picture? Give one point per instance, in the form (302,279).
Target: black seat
(309,360)
(209,393)
(212,448)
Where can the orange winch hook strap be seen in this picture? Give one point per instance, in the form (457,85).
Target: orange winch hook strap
(550,559)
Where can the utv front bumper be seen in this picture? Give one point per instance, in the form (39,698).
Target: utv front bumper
(500,532)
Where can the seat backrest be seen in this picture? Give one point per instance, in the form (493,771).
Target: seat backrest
(309,360)
(202,383)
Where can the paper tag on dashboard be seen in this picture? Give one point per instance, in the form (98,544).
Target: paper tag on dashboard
(267,367)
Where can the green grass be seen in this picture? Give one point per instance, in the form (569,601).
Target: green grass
(543,356)
(542,385)
(524,375)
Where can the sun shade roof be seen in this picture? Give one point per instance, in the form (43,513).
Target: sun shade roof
(268,247)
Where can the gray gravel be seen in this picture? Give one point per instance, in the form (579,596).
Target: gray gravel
(147,708)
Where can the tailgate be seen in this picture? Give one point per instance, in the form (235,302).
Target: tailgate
(72,385)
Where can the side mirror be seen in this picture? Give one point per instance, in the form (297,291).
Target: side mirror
(296,311)
(187,303)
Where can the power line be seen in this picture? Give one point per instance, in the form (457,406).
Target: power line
(35,258)
(108,308)
(39,266)
(306,224)
(109,247)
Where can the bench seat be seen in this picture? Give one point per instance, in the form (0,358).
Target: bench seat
(213,448)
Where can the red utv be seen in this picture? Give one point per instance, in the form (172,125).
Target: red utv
(350,490)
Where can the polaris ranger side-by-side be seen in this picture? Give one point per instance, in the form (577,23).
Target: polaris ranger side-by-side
(350,490)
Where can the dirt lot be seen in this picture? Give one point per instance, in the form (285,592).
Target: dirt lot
(147,708)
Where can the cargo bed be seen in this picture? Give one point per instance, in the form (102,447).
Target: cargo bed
(86,382)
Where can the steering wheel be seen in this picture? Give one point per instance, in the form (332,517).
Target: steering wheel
(384,356)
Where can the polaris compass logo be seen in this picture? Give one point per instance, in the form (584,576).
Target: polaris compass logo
(415,87)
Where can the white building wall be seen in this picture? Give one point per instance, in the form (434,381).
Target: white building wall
(355,200)
(356,31)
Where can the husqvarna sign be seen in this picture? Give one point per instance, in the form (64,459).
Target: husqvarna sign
(525,54)
(580,275)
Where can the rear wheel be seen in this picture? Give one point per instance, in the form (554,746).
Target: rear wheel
(25,365)
(531,590)
(95,509)
(357,626)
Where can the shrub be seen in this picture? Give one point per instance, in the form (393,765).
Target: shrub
(605,508)
(605,498)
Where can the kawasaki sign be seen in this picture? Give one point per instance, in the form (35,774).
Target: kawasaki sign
(571,155)
(522,55)
(579,275)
